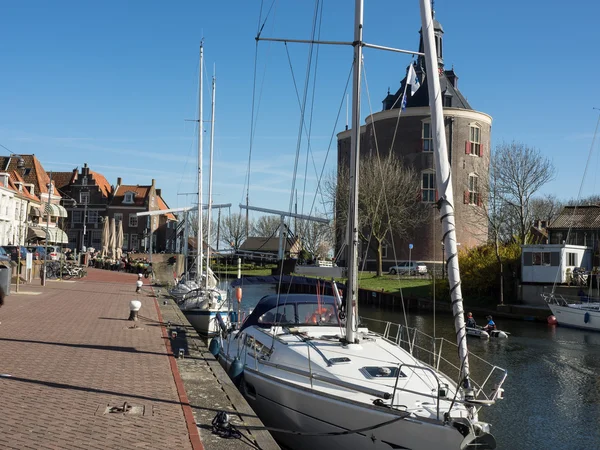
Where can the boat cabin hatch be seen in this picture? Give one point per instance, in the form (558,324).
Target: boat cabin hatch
(381,372)
(293,310)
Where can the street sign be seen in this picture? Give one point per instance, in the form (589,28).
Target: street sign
(410,246)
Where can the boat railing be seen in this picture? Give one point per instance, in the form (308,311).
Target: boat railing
(439,354)
(566,300)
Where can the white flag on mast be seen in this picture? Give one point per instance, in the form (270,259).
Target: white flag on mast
(413,80)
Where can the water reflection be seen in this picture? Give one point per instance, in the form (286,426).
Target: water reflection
(553,387)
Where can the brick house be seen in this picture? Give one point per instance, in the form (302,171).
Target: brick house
(408,134)
(126,202)
(92,193)
(46,215)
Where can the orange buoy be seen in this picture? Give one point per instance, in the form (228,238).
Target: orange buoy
(552,320)
(238,294)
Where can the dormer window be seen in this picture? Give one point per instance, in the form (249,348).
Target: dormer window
(128,197)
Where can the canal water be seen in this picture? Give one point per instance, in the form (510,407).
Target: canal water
(552,393)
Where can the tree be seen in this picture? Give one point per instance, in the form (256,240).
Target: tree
(193,227)
(546,208)
(266,226)
(387,202)
(316,237)
(519,172)
(233,230)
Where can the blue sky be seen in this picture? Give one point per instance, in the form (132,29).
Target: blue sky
(112,83)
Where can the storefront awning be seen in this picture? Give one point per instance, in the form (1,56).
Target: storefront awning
(35,234)
(55,235)
(54,210)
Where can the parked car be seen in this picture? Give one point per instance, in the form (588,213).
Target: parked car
(410,268)
(39,251)
(12,251)
(3,255)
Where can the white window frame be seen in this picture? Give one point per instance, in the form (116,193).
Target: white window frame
(475,139)
(84,197)
(427,141)
(126,241)
(84,181)
(428,192)
(133,220)
(129,197)
(118,217)
(474,194)
(96,238)
(135,242)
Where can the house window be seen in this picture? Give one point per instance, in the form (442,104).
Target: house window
(473,146)
(474,195)
(133,221)
(134,242)
(428,192)
(76,215)
(92,216)
(540,258)
(128,197)
(84,197)
(572,259)
(84,181)
(427,145)
(118,217)
(126,241)
(384,250)
(17,212)
(72,234)
(96,238)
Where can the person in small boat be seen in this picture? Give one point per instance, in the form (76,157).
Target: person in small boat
(491,325)
(471,321)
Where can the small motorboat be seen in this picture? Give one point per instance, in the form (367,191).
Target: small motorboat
(483,334)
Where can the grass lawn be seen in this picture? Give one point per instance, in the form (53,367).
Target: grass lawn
(259,272)
(412,286)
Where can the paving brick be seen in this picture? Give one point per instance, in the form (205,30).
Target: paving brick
(70,352)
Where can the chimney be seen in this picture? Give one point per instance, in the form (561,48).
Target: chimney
(119,181)
(152,182)
(158,192)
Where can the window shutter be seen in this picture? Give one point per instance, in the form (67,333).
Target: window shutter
(436,195)
(467,147)
(481,150)
(466,197)
(479,201)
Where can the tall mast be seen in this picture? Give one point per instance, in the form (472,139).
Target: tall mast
(352,288)
(199,250)
(210,169)
(444,187)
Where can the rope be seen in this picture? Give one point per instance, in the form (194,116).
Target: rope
(222,427)
(578,199)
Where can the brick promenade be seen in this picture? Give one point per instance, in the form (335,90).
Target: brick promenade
(70,353)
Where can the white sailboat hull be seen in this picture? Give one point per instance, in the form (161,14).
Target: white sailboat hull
(205,321)
(290,407)
(582,316)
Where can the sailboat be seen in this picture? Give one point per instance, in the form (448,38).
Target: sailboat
(319,379)
(582,311)
(202,304)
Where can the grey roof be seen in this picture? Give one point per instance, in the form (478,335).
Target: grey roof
(577,217)
(421,97)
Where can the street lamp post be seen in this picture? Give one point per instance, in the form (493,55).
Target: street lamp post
(410,247)
(47,229)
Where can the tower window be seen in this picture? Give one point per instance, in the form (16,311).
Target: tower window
(473,145)
(474,196)
(427,141)
(428,192)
